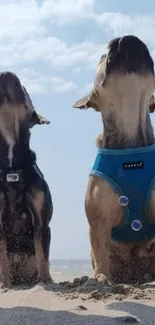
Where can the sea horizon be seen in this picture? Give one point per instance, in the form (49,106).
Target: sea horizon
(71,267)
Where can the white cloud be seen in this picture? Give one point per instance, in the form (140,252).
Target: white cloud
(25,36)
(60,85)
(68,10)
(51,50)
(26,39)
(36,83)
(118,24)
(65,87)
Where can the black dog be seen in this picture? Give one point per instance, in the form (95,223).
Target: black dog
(25,201)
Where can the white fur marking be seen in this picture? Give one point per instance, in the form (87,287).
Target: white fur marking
(11,144)
(9,120)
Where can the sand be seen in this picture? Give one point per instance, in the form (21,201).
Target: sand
(78,302)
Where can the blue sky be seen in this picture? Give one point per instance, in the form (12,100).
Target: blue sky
(54,46)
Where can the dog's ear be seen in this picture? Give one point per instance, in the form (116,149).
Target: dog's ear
(92,99)
(88,101)
(37,119)
(152,105)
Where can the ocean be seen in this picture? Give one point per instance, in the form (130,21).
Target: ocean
(70,268)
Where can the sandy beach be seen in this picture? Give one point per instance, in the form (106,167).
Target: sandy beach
(78,302)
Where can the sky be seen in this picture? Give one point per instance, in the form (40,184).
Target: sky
(54,46)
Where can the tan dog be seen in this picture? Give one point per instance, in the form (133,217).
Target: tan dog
(123,86)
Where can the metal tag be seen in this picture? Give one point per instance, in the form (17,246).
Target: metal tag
(12,178)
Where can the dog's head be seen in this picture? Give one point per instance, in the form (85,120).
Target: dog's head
(14,99)
(127,64)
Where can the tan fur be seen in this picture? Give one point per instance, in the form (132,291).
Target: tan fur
(8,129)
(99,140)
(152,105)
(145,250)
(100,197)
(4,261)
(102,205)
(42,264)
(127,98)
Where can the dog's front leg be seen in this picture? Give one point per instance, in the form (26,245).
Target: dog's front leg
(103,213)
(4,259)
(100,244)
(40,211)
(42,261)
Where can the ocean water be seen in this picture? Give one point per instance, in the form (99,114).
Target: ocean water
(76,268)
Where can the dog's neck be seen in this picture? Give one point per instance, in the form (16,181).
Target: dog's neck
(126,120)
(116,138)
(14,137)
(15,152)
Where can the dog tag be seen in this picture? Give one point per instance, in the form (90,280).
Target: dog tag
(12,178)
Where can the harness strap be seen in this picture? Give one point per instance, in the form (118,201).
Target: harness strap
(131,173)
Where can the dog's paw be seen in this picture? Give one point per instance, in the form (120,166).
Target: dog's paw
(102,278)
(6,285)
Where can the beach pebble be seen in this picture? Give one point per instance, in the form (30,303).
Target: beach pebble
(95,295)
(81,307)
(103,279)
(90,282)
(83,289)
(148,285)
(77,282)
(121,289)
(64,283)
(84,279)
(69,285)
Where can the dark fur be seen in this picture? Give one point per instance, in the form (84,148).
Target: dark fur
(128,54)
(10,89)
(21,225)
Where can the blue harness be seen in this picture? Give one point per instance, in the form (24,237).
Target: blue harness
(131,173)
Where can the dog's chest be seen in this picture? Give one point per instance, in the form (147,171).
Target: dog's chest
(20,223)
(131,174)
(17,218)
